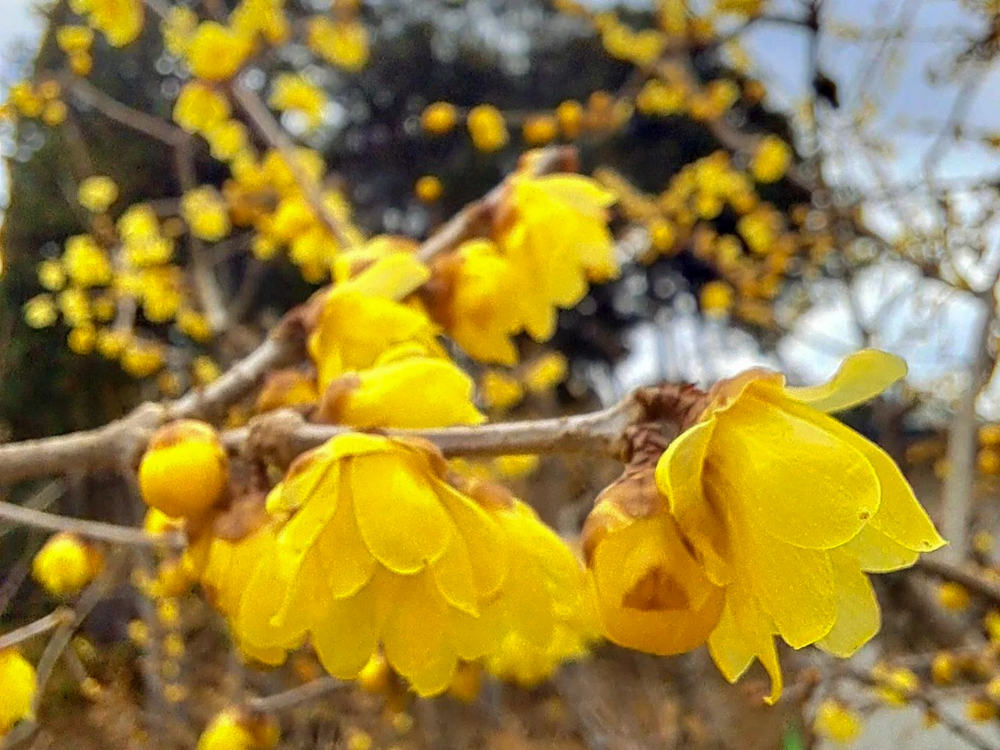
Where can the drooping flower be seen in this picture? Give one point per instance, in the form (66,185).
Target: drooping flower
(787,509)
(379,549)
(554,231)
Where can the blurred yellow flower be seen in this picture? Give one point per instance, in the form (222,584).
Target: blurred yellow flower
(199,107)
(65,564)
(18,679)
(487,127)
(119,20)
(771,159)
(439,118)
(340,43)
(215,52)
(835,721)
(206,213)
(292,92)
(86,262)
(96,194)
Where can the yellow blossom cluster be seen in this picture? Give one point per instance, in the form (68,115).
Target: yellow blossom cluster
(76,42)
(120,21)
(42,101)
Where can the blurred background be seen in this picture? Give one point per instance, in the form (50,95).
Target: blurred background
(796,180)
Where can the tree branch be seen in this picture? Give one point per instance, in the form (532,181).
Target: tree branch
(38,627)
(282,435)
(295,696)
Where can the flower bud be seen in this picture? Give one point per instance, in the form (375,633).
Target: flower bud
(66,564)
(235,730)
(184,470)
(18,679)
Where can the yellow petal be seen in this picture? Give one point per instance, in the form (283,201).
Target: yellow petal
(392,276)
(484,539)
(400,517)
(415,393)
(861,377)
(877,553)
(315,493)
(858,616)
(900,515)
(417,637)
(730,650)
(796,480)
(345,562)
(680,478)
(454,578)
(793,585)
(265,595)
(524,603)
(345,635)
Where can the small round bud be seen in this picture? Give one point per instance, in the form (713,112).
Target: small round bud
(66,564)
(232,730)
(439,118)
(183,473)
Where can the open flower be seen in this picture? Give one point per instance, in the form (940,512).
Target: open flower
(380,550)
(770,505)
(787,509)
(554,231)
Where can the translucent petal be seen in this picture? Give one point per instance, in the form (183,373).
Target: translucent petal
(392,276)
(752,631)
(265,594)
(316,493)
(730,650)
(345,635)
(342,556)
(877,553)
(400,517)
(418,637)
(900,515)
(795,479)
(680,478)
(525,603)
(861,377)
(484,539)
(454,578)
(793,585)
(858,616)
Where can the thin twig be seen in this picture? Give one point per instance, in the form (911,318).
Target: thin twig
(951,571)
(295,696)
(107,532)
(40,626)
(113,109)
(262,119)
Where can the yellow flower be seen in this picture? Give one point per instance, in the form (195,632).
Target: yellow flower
(183,472)
(746,8)
(65,564)
(206,213)
(262,17)
(479,310)
(232,730)
(487,128)
(791,554)
(835,721)
(227,139)
(292,92)
(500,391)
(546,372)
(177,29)
(119,20)
(554,232)
(771,159)
(340,43)
(439,118)
(428,188)
(86,262)
(74,39)
(140,359)
(199,108)
(953,596)
(216,52)
(51,275)
(81,63)
(540,130)
(194,325)
(570,116)
(380,550)
(716,298)
(403,388)
(18,679)
(96,194)
(82,339)
(287,388)
(354,330)
(40,311)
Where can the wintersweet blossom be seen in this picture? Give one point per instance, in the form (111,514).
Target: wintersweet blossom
(18,679)
(119,20)
(777,508)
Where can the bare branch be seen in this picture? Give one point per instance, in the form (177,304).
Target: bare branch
(107,532)
(38,627)
(282,435)
(295,696)
(950,571)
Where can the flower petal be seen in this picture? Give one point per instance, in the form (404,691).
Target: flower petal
(858,616)
(400,517)
(900,515)
(796,480)
(861,377)
(485,540)
(679,477)
(877,553)
(454,577)
(418,637)
(345,634)
(344,561)
(748,630)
